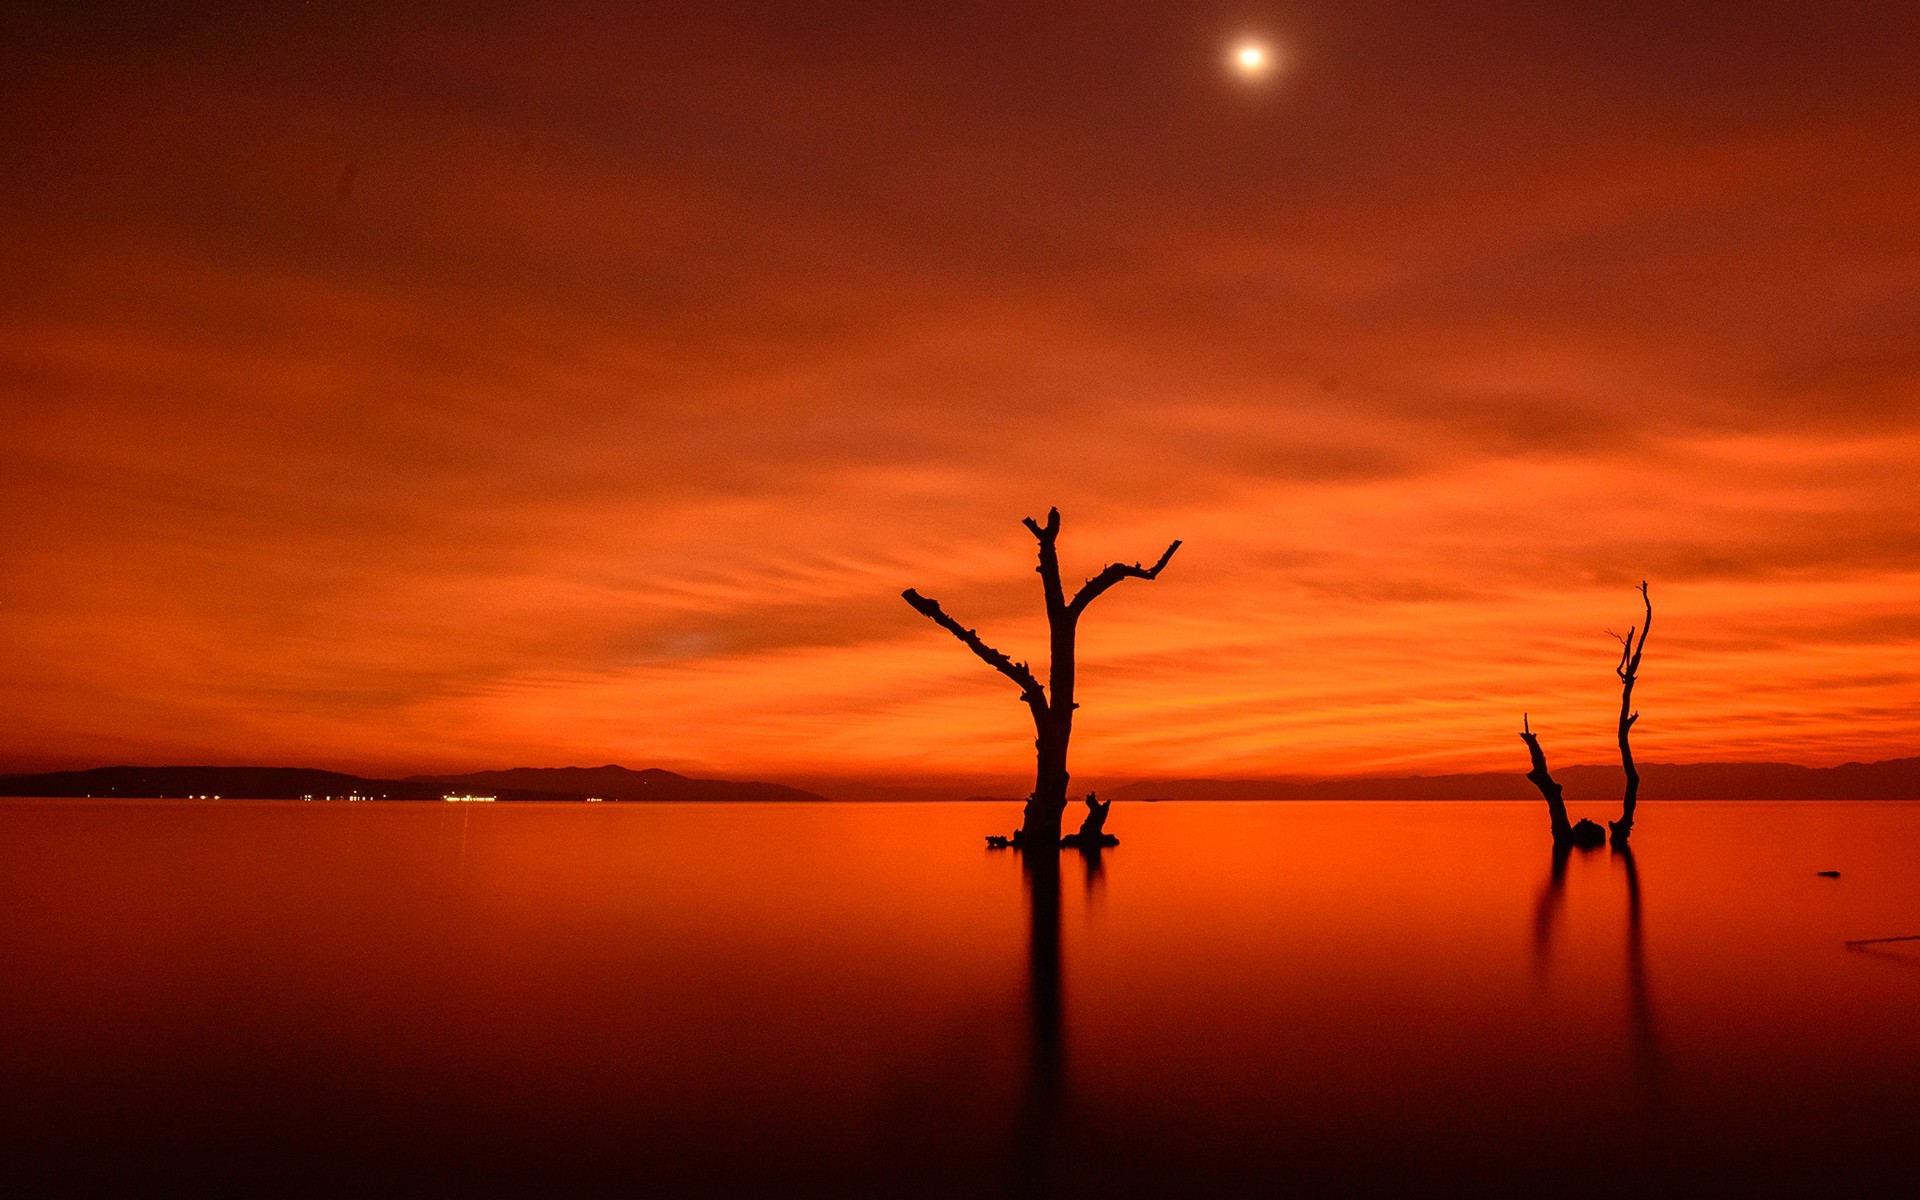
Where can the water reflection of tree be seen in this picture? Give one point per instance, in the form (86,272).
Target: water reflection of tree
(1043,1117)
(1546,909)
(1046,1046)
(1095,872)
(1640,1015)
(1646,1044)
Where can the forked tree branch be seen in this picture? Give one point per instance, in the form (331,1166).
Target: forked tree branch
(1114,573)
(1630,652)
(1047,532)
(1049,567)
(1030,689)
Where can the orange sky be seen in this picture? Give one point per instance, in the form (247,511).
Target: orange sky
(395,389)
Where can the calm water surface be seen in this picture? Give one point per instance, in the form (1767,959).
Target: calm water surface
(382,999)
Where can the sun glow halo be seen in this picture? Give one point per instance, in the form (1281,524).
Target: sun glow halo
(1251,59)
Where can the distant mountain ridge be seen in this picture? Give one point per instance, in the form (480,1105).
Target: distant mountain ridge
(294,783)
(252,783)
(1893,779)
(614,783)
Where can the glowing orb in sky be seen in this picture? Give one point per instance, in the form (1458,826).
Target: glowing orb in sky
(1252,60)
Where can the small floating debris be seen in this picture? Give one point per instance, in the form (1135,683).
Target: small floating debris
(1828,874)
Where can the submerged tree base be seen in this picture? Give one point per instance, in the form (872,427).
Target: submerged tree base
(1088,841)
(1073,841)
(1586,835)
(1090,837)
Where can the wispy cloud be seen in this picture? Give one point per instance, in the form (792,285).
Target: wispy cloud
(644,362)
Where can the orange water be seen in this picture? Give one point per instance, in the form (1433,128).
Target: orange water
(389,998)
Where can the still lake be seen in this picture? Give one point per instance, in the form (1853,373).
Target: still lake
(386,999)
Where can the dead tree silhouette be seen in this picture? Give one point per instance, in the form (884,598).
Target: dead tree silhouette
(1629,673)
(1092,833)
(1053,706)
(1586,834)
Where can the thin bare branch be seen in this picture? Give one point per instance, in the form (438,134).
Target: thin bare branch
(1646,626)
(1030,689)
(1629,673)
(1114,573)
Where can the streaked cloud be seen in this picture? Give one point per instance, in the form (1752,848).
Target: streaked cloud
(644,362)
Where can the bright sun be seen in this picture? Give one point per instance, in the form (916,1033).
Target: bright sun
(1251,59)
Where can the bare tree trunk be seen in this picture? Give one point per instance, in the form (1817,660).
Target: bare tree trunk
(1556,806)
(1048,799)
(1586,833)
(1629,673)
(1053,706)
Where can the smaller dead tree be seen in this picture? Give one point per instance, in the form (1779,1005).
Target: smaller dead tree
(1629,673)
(1092,835)
(1586,833)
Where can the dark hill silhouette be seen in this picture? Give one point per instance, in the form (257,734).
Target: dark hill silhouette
(293,783)
(252,783)
(860,792)
(1894,779)
(613,783)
